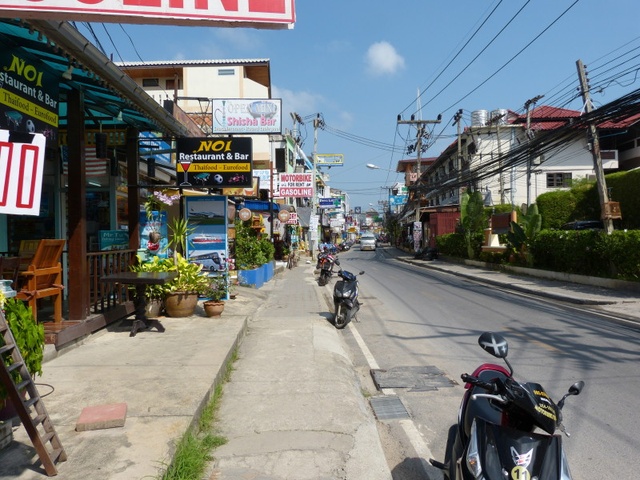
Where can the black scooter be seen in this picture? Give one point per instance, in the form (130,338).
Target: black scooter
(345,299)
(498,432)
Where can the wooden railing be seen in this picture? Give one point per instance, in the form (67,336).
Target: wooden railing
(103,296)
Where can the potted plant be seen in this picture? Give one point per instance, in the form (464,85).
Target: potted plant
(29,337)
(182,294)
(215,293)
(154,294)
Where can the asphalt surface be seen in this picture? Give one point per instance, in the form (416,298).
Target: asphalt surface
(293,408)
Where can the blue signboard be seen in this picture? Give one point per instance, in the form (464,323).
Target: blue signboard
(207,243)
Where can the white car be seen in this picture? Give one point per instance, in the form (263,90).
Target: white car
(368,241)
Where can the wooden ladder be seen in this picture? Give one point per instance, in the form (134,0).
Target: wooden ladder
(24,395)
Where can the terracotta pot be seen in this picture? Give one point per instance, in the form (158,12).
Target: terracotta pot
(213,308)
(180,304)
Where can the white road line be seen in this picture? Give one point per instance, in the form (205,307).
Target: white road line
(410,429)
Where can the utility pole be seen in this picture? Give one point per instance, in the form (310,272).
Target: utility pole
(527,106)
(317,122)
(601,183)
(420,124)
(456,121)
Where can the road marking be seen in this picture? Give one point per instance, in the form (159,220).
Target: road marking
(410,429)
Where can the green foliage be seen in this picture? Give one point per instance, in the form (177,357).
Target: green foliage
(156,264)
(28,335)
(455,244)
(522,234)
(556,208)
(217,288)
(180,231)
(190,278)
(248,250)
(267,248)
(625,188)
(472,218)
(590,252)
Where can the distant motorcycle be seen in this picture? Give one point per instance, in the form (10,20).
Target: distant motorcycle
(505,427)
(345,299)
(325,264)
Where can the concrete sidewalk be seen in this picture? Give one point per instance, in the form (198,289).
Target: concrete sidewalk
(292,410)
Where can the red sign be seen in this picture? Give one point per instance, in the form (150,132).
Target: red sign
(21,167)
(233,13)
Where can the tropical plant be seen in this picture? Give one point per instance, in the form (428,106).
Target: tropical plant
(180,231)
(217,288)
(190,277)
(472,218)
(521,236)
(248,251)
(156,264)
(28,335)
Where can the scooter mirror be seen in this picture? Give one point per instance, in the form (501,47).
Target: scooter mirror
(576,388)
(494,343)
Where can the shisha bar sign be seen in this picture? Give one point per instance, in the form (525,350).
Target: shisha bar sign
(21,168)
(214,162)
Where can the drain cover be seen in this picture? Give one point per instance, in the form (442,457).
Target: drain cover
(388,407)
(416,378)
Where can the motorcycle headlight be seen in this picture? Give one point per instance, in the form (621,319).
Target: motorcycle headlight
(565,473)
(347,293)
(491,458)
(473,454)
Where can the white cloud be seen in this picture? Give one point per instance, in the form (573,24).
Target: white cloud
(383,59)
(303,103)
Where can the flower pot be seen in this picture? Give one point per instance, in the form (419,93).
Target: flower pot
(213,308)
(154,307)
(180,304)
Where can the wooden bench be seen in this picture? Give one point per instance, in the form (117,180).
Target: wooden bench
(140,280)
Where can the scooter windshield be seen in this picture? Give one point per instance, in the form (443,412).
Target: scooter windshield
(533,401)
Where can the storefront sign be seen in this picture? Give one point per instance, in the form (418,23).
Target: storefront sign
(252,13)
(296,185)
(284,215)
(330,159)
(214,162)
(243,115)
(28,95)
(21,168)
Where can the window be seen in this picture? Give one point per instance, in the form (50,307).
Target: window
(172,84)
(558,180)
(150,82)
(226,71)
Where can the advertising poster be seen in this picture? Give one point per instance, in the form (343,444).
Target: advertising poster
(207,243)
(113,240)
(154,233)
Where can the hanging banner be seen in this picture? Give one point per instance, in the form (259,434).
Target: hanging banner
(214,162)
(21,169)
(252,13)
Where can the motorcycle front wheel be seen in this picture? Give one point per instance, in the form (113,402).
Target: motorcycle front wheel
(342,316)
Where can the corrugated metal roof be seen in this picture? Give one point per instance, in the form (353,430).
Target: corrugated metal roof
(178,63)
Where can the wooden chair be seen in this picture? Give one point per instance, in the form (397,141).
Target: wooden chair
(26,252)
(43,277)
(9,269)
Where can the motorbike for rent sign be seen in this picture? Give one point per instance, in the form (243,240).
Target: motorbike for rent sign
(295,185)
(273,14)
(214,162)
(21,168)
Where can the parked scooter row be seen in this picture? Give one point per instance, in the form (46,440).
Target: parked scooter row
(498,432)
(326,261)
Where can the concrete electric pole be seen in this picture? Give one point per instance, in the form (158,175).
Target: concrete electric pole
(595,151)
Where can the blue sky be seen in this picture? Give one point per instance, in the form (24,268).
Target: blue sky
(361,63)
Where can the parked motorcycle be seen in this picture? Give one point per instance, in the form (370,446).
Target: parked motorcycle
(494,438)
(325,264)
(345,298)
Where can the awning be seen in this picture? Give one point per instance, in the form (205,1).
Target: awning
(259,206)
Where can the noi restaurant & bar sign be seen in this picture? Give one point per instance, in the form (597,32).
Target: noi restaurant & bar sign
(275,14)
